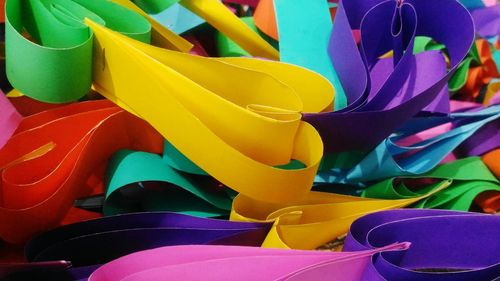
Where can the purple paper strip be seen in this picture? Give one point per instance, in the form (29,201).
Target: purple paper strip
(381,100)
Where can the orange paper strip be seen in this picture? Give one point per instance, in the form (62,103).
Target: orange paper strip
(48,160)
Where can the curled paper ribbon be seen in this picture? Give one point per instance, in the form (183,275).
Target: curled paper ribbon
(201,105)
(490,201)
(215,13)
(491,160)
(160,35)
(154,7)
(388,92)
(265,18)
(229,48)
(444,245)
(391,159)
(371,252)
(321,217)
(242,263)
(487,21)
(169,189)
(481,142)
(67,43)
(101,240)
(64,40)
(86,245)
(266,130)
(46,163)
(469,177)
(460,77)
(270,131)
(479,76)
(304,35)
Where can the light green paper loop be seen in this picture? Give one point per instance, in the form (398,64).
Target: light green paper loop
(154,6)
(467,178)
(228,48)
(56,68)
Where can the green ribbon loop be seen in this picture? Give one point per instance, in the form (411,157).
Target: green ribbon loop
(466,177)
(54,61)
(154,6)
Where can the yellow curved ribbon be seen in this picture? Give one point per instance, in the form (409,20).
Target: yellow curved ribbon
(237,118)
(233,118)
(216,14)
(315,220)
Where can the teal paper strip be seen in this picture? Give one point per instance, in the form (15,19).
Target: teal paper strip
(304,36)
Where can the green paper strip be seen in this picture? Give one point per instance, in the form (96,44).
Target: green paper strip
(458,79)
(187,194)
(154,6)
(229,48)
(57,68)
(424,43)
(466,177)
(458,196)
(421,43)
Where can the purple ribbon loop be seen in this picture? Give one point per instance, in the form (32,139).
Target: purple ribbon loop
(445,245)
(383,94)
(90,243)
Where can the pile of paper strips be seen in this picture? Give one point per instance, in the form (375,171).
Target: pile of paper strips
(249,140)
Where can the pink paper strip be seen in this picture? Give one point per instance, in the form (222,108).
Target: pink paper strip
(9,119)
